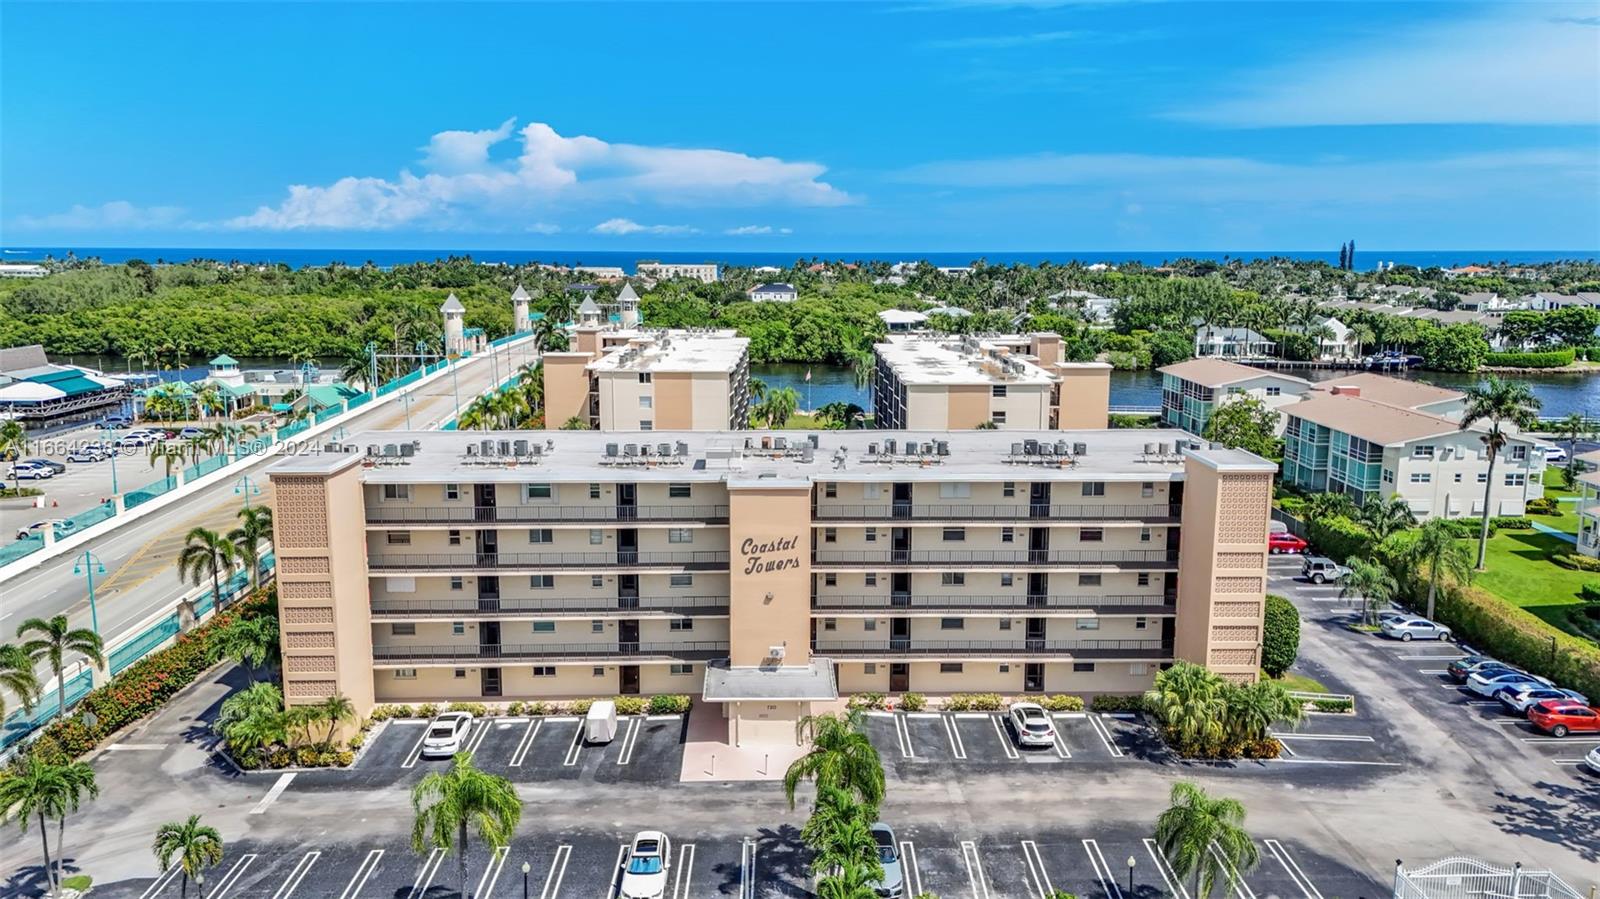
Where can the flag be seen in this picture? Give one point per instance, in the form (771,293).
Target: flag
(808,376)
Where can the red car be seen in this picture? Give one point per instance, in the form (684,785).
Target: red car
(1561,718)
(1285,543)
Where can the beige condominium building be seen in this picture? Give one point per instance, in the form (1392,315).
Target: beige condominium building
(700,271)
(1012,382)
(1193,389)
(765,571)
(629,379)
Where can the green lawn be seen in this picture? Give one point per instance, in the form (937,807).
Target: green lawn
(1299,683)
(1519,571)
(1567,518)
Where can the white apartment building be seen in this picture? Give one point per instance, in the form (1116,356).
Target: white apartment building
(702,271)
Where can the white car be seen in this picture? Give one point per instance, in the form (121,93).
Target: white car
(1407,628)
(61,526)
(1489,682)
(1592,760)
(1032,724)
(91,453)
(1553,455)
(1519,698)
(29,471)
(136,438)
(644,870)
(447,734)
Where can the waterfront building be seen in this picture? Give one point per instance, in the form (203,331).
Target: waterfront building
(1341,343)
(1231,343)
(901,320)
(22,270)
(1014,382)
(1191,390)
(769,572)
(773,293)
(623,378)
(705,272)
(40,393)
(1589,505)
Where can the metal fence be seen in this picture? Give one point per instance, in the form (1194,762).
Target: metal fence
(1459,877)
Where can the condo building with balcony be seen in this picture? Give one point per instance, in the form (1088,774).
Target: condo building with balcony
(1193,389)
(1009,382)
(630,379)
(764,571)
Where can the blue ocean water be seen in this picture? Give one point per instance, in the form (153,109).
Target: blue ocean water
(627,259)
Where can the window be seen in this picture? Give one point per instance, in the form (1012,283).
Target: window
(1008,535)
(1519,453)
(680,535)
(457,628)
(830,490)
(544,671)
(680,669)
(1140,624)
(405,674)
(1147,489)
(871,579)
(1483,477)
(1458,477)
(1144,535)
(544,627)
(1422,451)
(455,583)
(870,624)
(1144,578)
(541,581)
(830,535)
(1421,477)
(1005,624)
(1516,479)
(645,401)
(397,492)
(644,377)
(538,491)
(597,626)
(1083,667)
(596,536)
(953,578)
(461,673)
(1094,488)
(402,630)
(1088,580)
(541,535)
(872,535)
(1087,624)
(869,668)
(452,491)
(680,580)
(871,490)
(1005,579)
(681,624)
(1091,535)
(678,491)
(398,538)
(1008,489)
(1138,669)
(1274,391)
(1005,669)
(830,580)
(647,425)
(594,491)
(830,624)
(454,538)
(998,418)
(597,581)
(952,624)
(599,671)
(949,667)
(955,490)
(955,535)
(1388,476)
(997,390)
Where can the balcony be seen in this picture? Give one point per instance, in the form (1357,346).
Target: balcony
(535,607)
(467,653)
(541,514)
(1010,650)
(458,561)
(1148,604)
(1158,513)
(993,558)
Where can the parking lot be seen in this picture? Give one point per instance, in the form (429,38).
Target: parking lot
(908,740)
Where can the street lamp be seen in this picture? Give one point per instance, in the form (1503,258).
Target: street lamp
(455,388)
(525,868)
(405,402)
(89,565)
(1131,862)
(247,486)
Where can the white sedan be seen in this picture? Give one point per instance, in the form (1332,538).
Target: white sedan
(1407,628)
(1518,699)
(1488,683)
(644,870)
(447,734)
(1032,725)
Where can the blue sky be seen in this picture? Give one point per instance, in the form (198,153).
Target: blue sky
(908,125)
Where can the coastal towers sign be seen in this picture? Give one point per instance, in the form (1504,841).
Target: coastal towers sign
(769,580)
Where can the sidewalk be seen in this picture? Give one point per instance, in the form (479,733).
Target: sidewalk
(708,758)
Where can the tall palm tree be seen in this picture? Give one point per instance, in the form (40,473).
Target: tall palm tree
(250,642)
(206,553)
(1574,427)
(1188,698)
(841,756)
(447,803)
(1437,550)
(839,832)
(170,453)
(1204,839)
(195,846)
(255,528)
(50,642)
(38,788)
(778,406)
(1370,582)
(1498,404)
(13,444)
(17,677)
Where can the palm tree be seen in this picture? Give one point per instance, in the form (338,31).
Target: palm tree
(1204,839)
(17,677)
(196,847)
(1188,699)
(1254,708)
(44,789)
(447,802)
(55,637)
(356,368)
(1574,427)
(250,642)
(333,710)
(255,528)
(1370,582)
(850,882)
(169,452)
(13,444)
(1384,517)
(1437,550)
(1364,337)
(841,756)
(1497,404)
(209,399)
(253,719)
(1326,505)
(206,552)
(778,406)
(839,832)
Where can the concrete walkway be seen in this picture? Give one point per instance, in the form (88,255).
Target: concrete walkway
(1543,528)
(708,757)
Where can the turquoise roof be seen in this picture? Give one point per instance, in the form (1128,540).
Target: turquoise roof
(69,381)
(326,395)
(472,332)
(224,360)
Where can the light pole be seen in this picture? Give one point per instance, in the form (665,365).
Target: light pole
(111,450)
(247,486)
(422,353)
(89,565)
(372,363)
(525,868)
(1131,862)
(405,403)
(455,388)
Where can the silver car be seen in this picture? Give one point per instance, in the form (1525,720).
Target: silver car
(1407,628)
(1032,725)
(447,735)
(1322,570)
(893,885)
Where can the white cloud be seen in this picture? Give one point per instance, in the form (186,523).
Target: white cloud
(1516,69)
(756,231)
(463,186)
(115,214)
(621,226)
(542,228)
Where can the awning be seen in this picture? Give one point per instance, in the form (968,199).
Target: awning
(813,682)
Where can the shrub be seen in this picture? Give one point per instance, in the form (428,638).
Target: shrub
(279,758)
(536,707)
(630,705)
(1467,528)
(1111,702)
(913,702)
(1280,638)
(514,708)
(1543,505)
(1334,705)
(385,712)
(975,702)
(427,710)
(861,701)
(580,707)
(1511,523)
(475,709)
(1341,539)
(1062,702)
(1543,359)
(1269,748)
(345,758)
(358,739)
(669,704)
(1590,592)
(1575,561)
(306,757)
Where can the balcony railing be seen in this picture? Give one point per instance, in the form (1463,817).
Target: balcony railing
(994,558)
(1152,604)
(826,511)
(695,561)
(469,514)
(1004,649)
(686,650)
(536,607)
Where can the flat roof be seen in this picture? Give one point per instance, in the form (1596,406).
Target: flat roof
(1394,391)
(931,360)
(813,681)
(1209,372)
(690,351)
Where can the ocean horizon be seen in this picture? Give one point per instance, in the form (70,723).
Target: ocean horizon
(297,257)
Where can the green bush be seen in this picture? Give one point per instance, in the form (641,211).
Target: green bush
(357,739)
(1575,561)
(1543,359)
(385,712)
(669,704)
(913,702)
(1280,638)
(975,702)
(580,707)
(864,701)
(1590,592)
(1468,528)
(1062,702)
(630,705)
(475,709)
(1126,420)
(1543,505)
(427,710)
(536,707)
(1111,702)
(1511,523)
(1341,539)
(1334,705)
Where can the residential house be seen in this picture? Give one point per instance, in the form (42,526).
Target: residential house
(1231,343)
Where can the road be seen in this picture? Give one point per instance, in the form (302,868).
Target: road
(140,558)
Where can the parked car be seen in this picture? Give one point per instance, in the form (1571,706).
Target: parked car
(644,871)
(61,525)
(1322,570)
(57,467)
(136,438)
(190,433)
(1285,543)
(1520,699)
(1561,718)
(115,421)
(1407,628)
(1032,724)
(893,884)
(1466,666)
(28,471)
(447,734)
(94,452)
(1487,683)
(1553,455)
(1592,760)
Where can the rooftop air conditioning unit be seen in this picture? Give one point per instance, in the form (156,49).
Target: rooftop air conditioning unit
(611,449)
(521,447)
(776,652)
(407,450)
(1080,449)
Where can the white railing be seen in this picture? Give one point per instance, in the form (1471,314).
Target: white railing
(1459,877)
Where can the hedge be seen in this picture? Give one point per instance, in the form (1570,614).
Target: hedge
(660,704)
(1112,702)
(1341,539)
(1543,359)
(1509,522)
(1280,640)
(1590,592)
(1575,561)
(1542,505)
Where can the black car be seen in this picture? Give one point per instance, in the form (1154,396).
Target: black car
(1466,666)
(57,467)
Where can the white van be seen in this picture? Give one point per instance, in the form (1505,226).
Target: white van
(601,724)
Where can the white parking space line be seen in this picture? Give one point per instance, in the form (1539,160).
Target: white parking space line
(680,880)
(1241,889)
(491,874)
(475,739)
(1433,670)
(1435,658)
(1005,739)
(430,867)
(162,881)
(230,879)
(558,871)
(416,750)
(526,743)
(1104,733)
(908,855)
(1164,868)
(974,863)
(747,869)
(902,735)
(1061,746)
(1307,888)
(1037,876)
(629,740)
(957,747)
(616,877)
(1102,871)
(1294,761)
(1337,738)
(277,790)
(352,890)
(301,869)
(1566,741)
(576,747)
